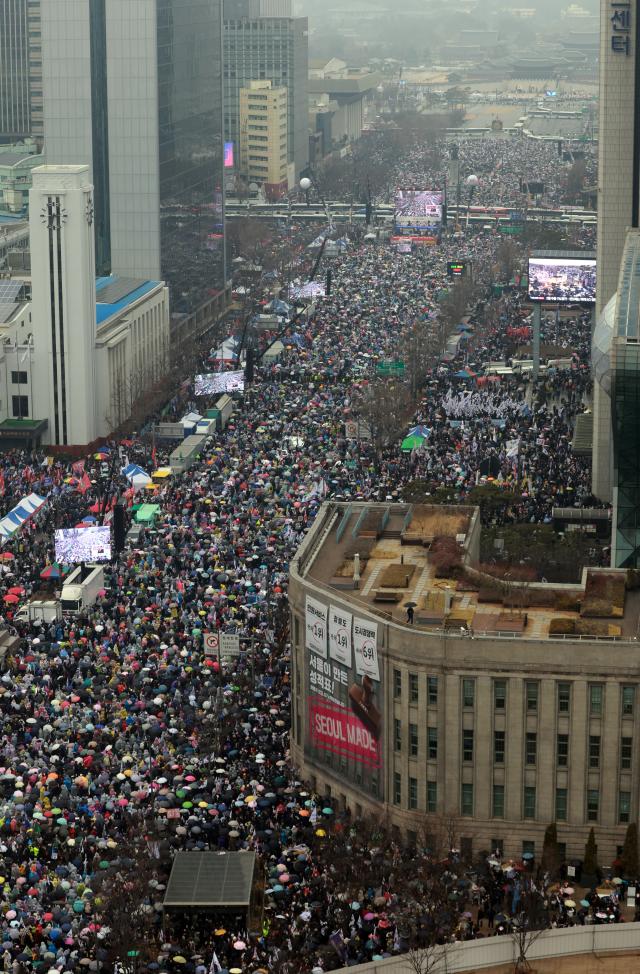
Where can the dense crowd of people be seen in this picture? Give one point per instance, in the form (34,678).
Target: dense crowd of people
(123,742)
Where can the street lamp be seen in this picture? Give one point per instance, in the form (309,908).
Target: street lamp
(305,186)
(472,182)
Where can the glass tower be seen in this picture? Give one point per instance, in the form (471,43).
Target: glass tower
(616,368)
(190,149)
(134,90)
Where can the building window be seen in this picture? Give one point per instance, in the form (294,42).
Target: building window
(466,802)
(595,699)
(532,696)
(20,406)
(626,744)
(413,688)
(628,698)
(593,802)
(397,788)
(467,745)
(397,735)
(528,847)
(594,751)
(413,740)
(413,792)
(562,755)
(564,698)
(529,801)
(432,737)
(397,684)
(498,801)
(499,694)
(624,806)
(531,748)
(432,690)
(468,693)
(432,796)
(561,804)
(19,378)
(498,747)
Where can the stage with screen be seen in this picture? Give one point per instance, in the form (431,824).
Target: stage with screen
(216,383)
(75,545)
(418,210)
(562,279)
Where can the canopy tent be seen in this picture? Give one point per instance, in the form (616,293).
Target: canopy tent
(423,431)
(161,473)
(136,476)
(147,513)
(412,443)
(274,351)
(211,881)
(20,514)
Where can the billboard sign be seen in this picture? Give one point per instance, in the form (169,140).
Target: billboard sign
(418,211)
(562,280)
(344,695)
(228,155)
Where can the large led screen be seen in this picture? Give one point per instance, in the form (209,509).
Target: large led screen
(75,545)
(562,280)
(418,210)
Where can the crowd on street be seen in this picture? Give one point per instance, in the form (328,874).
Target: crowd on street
(123,742)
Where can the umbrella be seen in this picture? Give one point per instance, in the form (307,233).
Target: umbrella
(570,904)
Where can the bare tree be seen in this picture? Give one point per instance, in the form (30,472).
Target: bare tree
(528,924)
(386,406)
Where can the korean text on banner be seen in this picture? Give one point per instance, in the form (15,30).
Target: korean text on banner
(316,627)
(340,636)
(365,647)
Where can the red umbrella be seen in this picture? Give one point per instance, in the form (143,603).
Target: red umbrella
(6,556)
(16,590)
(11,599)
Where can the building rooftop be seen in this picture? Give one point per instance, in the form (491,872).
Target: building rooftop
(114,294)
(424,556)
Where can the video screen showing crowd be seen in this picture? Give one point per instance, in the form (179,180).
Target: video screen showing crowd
(562,280)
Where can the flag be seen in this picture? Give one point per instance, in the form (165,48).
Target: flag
(1,481)
(78,467)
(153,456)
(216,966)
(84,484)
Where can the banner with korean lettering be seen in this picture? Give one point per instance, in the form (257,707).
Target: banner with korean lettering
(345,700)
(316,627)
(340,635)
(365,648)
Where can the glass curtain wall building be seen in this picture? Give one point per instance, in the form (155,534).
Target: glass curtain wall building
(274,49)
(20,70)
(616,363)
(134,90)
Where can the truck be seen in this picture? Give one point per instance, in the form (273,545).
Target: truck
(81,588)
(39,610)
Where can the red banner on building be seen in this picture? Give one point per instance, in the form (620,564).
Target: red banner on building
(335,728)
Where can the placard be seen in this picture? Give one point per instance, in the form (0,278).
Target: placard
(229,645)
(316,627)
(365,648)
(340,636)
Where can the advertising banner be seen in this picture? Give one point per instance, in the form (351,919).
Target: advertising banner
(316,627)
(340,635)
(344,696)
(365,647)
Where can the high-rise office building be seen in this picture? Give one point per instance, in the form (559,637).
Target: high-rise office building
(263,137)
(20,70)
(259,46)
(134,90)
(618,187)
